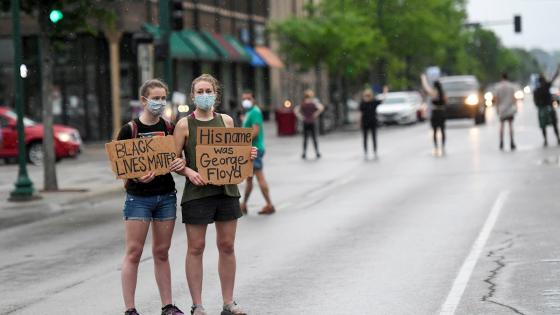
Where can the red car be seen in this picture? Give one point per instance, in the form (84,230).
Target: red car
(67,140)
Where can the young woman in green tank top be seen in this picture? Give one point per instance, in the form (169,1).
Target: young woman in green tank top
(203,203)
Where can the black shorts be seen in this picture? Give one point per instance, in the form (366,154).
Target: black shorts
(209,209)
(508,118)
(438,119)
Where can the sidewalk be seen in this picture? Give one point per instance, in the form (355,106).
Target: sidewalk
(80,181)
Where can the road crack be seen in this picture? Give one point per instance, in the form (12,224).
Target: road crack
(491,280)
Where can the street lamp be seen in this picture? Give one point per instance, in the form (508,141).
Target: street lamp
(24,187)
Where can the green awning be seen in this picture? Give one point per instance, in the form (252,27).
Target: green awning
(195,41)
(152,29)
(180,49)
(238,47)
(216,45)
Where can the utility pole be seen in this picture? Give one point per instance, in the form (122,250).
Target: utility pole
(24,190)
(165,28)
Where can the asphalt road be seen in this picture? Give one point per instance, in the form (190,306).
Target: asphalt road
(470,232)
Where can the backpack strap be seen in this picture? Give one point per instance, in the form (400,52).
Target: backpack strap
(133,129)
(168,126)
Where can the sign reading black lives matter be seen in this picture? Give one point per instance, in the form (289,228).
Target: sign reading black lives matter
(134,158)
(223,155)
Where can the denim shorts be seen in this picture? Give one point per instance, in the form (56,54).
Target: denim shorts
(151,208)
(258,161)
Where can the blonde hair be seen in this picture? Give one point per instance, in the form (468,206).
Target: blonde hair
(210,79)
(367,93)
(308,93)
(151,84)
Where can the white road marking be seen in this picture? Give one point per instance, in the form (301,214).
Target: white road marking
(450,305)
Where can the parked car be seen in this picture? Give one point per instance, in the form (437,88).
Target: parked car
(401,108)
(67,140)
(464,98)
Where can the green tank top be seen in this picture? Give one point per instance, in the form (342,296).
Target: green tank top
(191,191)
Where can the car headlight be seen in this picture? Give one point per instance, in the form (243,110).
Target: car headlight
(472,100)
(64,137)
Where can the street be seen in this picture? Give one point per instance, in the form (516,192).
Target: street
(470,232)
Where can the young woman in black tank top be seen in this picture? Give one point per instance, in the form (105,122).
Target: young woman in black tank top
(151,201)
(439,104)
(204,203)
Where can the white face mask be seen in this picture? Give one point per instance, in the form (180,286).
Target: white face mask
(247,104)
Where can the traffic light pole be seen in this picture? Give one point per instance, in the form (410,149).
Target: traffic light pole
(24,187)
(165,28)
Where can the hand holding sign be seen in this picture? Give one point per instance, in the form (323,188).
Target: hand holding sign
(224,155)
(139,157)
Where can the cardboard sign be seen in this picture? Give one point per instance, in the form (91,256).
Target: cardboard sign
(223,155)
(134,158)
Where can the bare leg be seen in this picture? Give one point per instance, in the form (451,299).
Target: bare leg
(196,237)
(264,186)
(135,237)
(555,126)
(248,190)
(225,234)
(511,138)
(501,135)
(162,232)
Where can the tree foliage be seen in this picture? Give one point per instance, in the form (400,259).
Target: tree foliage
(78,15)
(350,37)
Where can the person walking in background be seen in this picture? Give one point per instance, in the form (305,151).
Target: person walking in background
(308,112)
(438,108)
(150,200)
(506,107)
(204,204)
(543,101)
(368,117)
(254,119)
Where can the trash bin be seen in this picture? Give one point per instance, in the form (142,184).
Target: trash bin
(285,121)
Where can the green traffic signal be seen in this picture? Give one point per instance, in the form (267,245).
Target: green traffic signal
(55,16)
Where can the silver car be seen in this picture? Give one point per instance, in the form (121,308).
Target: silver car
(401,108)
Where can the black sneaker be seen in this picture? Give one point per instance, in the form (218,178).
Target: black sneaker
(513,147)
(171,309)
(131,311)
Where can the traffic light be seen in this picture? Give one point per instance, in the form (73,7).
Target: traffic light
(176,14)
(55,16)
(517,23)
(161,49)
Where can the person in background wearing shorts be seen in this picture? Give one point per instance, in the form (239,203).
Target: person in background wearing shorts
(204,204)
(544,102)
(150,200)
(438,108)
(506,107)
(254,119)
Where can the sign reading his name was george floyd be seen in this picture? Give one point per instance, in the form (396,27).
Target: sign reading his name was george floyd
(223,155)
(133,158)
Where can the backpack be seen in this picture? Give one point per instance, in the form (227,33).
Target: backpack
(134,127)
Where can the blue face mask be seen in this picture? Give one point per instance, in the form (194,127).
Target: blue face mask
(155,107)
(205,101)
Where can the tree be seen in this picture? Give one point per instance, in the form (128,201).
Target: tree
(333,33)
(76,16)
